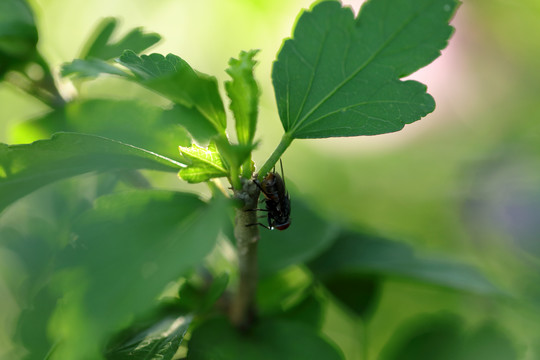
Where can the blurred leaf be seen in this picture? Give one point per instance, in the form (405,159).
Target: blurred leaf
(203,164)
(488,342)
(133,122)
(99,45)
(193,121)
(25,168)
(127,248)
(18,34)
(427,337)
(339,76)
(200,298)
(283,290)
(356,254)
(90,68)
(307,237)
(443,337)
(309,311)
(159,342)
(244,94)
(269,339)
(173,78)
(358,293)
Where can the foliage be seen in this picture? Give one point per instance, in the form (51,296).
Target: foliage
(119,266)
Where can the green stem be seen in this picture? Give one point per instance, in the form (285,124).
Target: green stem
(286,140)
(242,311)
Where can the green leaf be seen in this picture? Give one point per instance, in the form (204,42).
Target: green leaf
(244,94)
(18,34)
(193,121)
(90,68)
(444,337)
(173,78)
(339,76)
(307,237)
(129,121)
(283,289)
(268,340)
(100,46)
(125,251)
(161,341)
(25,168)
(358,254)
(233,155)
(360,294)
(203,164)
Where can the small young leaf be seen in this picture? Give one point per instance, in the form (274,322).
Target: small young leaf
(99,45)
(339,76)
(173,78)
(125,251)
(357,254)
(244,94)
(25,168)
(203,164)
(160,341)
(268,340)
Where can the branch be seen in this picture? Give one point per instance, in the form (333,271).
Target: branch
(242,311)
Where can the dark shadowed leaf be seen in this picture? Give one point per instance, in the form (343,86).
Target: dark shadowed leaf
(268,340)
(443,336)
(307,237)
(159,342)
(25,168)
(360,294)
(358,254)
(18,35)
(244,94)
(127,249)
(339,76)
(100,46)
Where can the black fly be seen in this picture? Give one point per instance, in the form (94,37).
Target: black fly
(277,200)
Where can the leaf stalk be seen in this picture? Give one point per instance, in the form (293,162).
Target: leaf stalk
(286,140)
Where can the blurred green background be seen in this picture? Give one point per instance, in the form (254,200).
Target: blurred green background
(463,182)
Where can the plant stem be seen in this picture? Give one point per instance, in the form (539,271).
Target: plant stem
(286,140)
(242,310)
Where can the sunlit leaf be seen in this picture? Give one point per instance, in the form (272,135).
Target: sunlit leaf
(25,168)
(133,122)
(100,46)
(126,250)
(203,164)
(173,78)
(268,340)
(244,94)
(339,76)
(161,341)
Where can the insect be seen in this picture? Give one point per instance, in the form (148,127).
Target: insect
(277,200)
